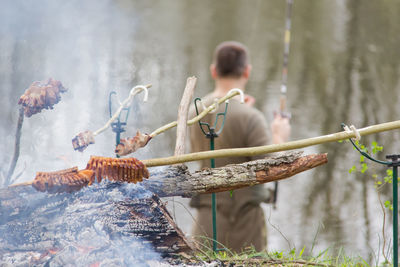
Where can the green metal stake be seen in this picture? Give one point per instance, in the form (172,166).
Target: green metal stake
(212,134)
(394,163)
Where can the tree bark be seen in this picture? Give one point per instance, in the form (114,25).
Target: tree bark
(177,181)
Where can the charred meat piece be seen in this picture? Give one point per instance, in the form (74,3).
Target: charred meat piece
(131,144)
(82,140)
(41,95)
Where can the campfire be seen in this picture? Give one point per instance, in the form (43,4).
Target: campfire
(107,213)
(106,223)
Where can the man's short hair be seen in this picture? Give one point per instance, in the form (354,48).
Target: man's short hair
(230,59)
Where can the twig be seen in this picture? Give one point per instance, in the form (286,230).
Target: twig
(16,147)
(260,150)
(383,227)
(195,119)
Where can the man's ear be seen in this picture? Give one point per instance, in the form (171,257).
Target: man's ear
(213,71)
(247,70)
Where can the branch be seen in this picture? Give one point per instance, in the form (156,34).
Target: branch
(16,147)
(177,181)
(182,116)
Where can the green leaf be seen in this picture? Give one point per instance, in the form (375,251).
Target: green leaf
(362,159)
(364,167)
(388,205)
(353,169)
(301,252)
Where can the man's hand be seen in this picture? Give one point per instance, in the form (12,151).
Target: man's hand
(281,129)
(249,100)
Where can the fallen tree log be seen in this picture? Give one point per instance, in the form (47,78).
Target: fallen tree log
(177,181)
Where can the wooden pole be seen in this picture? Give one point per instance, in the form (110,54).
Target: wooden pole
(16,147)
(182,116)
(260,150)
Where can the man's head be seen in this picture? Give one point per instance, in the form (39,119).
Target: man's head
(230,61)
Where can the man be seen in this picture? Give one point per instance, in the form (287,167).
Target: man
(240,219)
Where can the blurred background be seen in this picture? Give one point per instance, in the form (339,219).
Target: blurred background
(344,67)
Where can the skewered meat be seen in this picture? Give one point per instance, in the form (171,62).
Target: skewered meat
(129,170)
(41,95)
(130,145)
(68,180)
(83,140)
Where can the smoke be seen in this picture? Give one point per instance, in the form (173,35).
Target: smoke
(87,45)
(102,224)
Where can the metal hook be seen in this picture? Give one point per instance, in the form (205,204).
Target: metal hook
(239,91)
(211,130)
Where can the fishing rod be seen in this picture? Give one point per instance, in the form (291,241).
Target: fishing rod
(283,96)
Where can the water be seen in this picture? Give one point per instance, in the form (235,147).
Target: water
(344,67)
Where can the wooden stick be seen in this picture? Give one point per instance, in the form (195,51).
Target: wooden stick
(176,181)
(182,116)
(195,119)
(260,150)
(16,147)
(123,105)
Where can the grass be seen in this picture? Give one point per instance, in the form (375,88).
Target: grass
(250,257)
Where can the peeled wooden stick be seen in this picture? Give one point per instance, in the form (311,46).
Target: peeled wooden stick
(197,118)
(260,150)
(82,140)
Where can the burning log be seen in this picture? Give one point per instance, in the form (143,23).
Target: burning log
(41,95)
(177,181)
(105,223)
(88,226)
